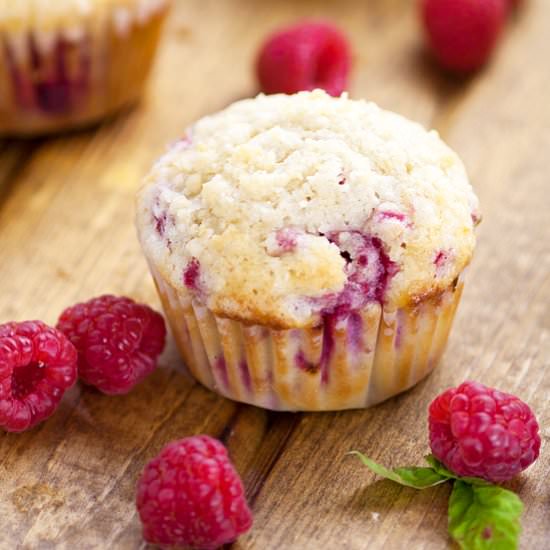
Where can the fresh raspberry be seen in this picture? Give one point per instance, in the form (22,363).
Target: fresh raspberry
(304,57)
(118,341)
(369,272)
(190,495)
(37,366)
(463,33)
(478,431)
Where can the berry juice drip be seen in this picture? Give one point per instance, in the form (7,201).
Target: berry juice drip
(54,82)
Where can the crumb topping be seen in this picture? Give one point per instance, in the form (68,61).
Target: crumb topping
(283,207)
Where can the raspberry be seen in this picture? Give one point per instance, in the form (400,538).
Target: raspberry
(369,272)
(463,33)
(481,432)
(190,495)
(191,274)
(304,57)
(118,341)
(37,366)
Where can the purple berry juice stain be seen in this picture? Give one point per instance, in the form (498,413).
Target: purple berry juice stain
(303,364)
(49,87)
(355,331)
(245,374)
(221,367)
(329,326)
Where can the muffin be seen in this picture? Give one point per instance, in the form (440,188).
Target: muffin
(68,63)
(308,250)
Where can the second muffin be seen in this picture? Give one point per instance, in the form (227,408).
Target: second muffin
(69,63)
(308,249)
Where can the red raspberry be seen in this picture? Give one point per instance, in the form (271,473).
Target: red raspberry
(463,33)
(118,341)
(37,366)
(304,57)
(190,495)
(478,431)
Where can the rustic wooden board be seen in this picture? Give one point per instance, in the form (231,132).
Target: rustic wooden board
(66,234)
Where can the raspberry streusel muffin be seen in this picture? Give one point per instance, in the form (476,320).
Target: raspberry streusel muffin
(68,63)
(308,249)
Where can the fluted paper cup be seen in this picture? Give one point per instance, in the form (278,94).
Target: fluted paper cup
(345,363)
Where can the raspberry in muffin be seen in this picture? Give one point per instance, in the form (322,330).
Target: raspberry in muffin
(308,249)
(69,63)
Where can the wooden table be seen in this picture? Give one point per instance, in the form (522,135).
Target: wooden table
(66,234)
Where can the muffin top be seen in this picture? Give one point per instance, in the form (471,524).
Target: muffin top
(284,208)
(51,14)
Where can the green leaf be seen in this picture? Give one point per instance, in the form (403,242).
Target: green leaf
(441,470)
(483,517)
(417,478)
(438,467)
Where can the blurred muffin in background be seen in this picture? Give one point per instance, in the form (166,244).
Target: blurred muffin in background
(69,63)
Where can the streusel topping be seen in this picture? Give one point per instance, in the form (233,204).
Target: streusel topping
(280,209)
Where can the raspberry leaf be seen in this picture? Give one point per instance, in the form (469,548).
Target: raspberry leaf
(440,469)
(484,517)
(415,477)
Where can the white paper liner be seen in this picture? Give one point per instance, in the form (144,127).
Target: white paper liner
(351,363)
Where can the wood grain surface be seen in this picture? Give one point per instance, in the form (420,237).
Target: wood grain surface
(66,234)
